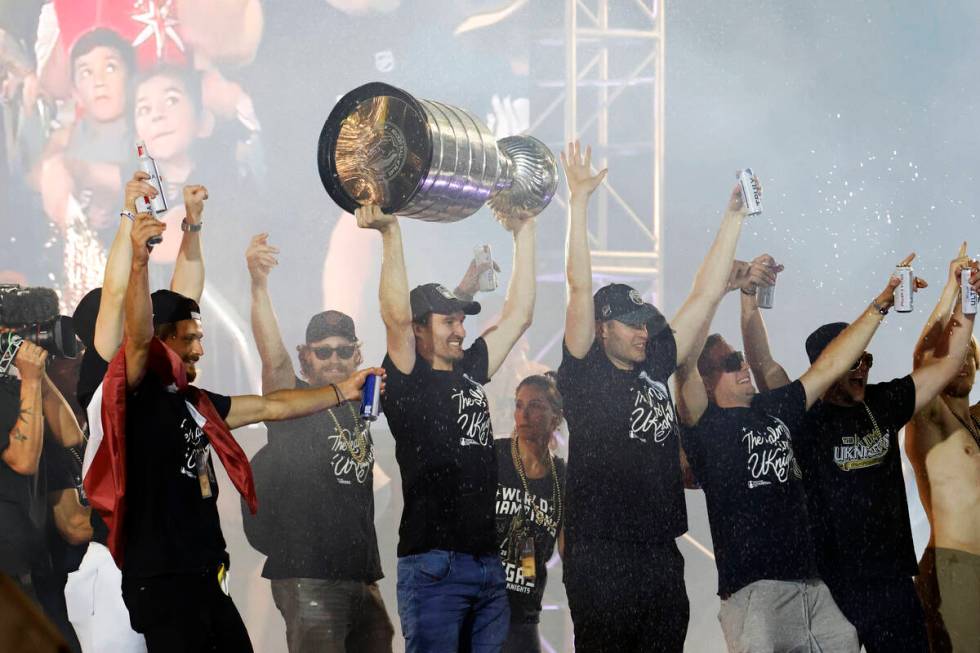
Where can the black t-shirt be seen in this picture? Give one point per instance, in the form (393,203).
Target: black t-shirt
(744,460)
(541,514)
(23,499)
(854,483)
(624,474)
(318,497)
(444,445)
(170,527)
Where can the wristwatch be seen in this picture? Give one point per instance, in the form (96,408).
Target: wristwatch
(187,226)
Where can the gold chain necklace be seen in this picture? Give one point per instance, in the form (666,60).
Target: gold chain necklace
(360,440)
(874,423)
(555,489)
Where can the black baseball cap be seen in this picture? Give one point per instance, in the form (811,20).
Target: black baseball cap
(170,307)
(436,298)
(623,303)
(330,323)
(85,315)
(817,341)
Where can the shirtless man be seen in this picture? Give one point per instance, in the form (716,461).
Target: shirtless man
(943,445)
(954,467)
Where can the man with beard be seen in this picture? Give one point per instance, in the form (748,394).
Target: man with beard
(316,480)
(451,589)
(99,323)
(852,471)
(162,514)
(943,444)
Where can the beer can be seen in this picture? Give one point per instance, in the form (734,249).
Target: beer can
(764,296)
(371,398)
(488,278)
(969,295)
(751,193)
(144,204)
(905,291)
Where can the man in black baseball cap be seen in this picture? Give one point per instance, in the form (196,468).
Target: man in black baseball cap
(437,338)
(177,322)
(624,575)
(852,470)
(316,478)
(164,529)
(332,351)
(439,415)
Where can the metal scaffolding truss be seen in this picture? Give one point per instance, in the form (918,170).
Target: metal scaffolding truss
(611,92)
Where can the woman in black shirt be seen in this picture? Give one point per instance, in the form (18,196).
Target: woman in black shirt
(529,506)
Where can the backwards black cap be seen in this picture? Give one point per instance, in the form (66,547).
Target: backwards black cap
(85,316)
(170,307)
(817,341)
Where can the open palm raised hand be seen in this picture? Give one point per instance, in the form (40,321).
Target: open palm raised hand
(578,171)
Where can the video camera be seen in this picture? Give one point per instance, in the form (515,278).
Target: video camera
(31,314)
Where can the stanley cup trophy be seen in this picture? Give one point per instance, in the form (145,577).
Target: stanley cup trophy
(428,160)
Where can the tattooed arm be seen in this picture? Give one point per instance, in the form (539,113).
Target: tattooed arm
(26,438)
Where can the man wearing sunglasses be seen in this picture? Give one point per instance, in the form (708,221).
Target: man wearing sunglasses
(852,471)
(740,444)
(315,478)
(452,593)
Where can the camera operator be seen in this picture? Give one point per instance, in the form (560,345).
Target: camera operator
(34,416)
(69,528)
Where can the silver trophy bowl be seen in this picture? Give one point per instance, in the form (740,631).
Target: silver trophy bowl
(428,160)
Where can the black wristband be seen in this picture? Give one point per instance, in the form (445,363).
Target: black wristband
(751,294)
(336,393)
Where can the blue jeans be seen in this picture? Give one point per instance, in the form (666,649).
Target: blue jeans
(452,602)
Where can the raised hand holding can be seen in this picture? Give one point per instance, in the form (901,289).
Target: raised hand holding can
(751,191)
(371,398)
(157,204)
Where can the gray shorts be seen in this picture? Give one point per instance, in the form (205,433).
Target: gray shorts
(959,597)
(777,616)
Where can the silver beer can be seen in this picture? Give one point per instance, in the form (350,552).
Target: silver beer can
(905,291)
(159,203)
(968,294)
(764,296)
(751,193)
(488,278)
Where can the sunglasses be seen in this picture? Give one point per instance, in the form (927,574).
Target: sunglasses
(866,358)
(344,351)
(733,362)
